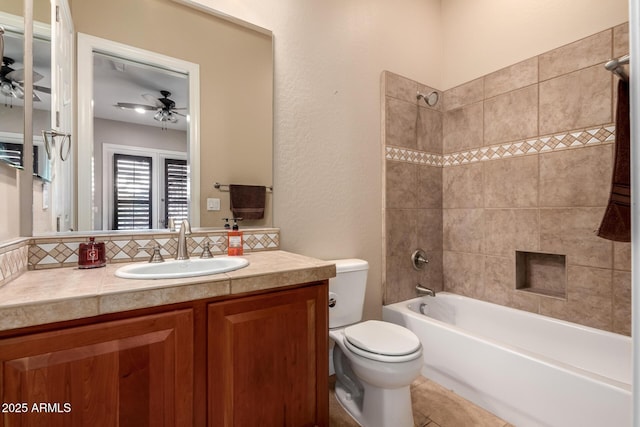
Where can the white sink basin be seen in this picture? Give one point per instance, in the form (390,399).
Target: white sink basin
(184,268)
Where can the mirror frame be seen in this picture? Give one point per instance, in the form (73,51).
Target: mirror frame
(86,46)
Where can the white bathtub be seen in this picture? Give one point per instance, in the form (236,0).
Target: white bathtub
(528,369)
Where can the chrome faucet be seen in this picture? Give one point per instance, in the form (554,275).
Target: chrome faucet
(423,290)
(183,250)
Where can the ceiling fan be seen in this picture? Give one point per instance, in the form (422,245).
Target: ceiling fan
(165,108)
(12,81)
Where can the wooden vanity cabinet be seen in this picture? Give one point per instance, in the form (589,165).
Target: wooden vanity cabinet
(247,360)
(267,360)
(132,372)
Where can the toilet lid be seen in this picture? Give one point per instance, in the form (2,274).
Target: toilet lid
(382,338)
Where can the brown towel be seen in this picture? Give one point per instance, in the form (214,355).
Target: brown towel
(616,223)
(247,201)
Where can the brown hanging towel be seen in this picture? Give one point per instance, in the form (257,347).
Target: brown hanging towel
(616,223)
(247,201)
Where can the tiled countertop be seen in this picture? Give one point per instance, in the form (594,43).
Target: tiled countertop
(46,296)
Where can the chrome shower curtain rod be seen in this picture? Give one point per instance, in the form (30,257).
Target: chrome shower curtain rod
(616,67)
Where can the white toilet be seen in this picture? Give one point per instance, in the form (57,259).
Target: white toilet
(375,362)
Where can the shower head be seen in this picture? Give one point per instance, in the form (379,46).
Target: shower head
(431,99)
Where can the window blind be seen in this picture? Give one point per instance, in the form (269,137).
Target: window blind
(176,190)
(132,192)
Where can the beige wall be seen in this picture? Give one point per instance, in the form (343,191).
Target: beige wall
(327,164)
(14,7)
(482,36)
(235,82)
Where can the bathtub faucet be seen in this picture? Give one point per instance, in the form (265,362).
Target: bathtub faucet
(423,290)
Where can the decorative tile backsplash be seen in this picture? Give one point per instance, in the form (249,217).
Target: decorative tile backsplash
(55,251)
(13,260)
(561,141)
(58,252)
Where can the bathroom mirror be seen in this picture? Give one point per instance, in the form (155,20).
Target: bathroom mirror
(235,96)
(12,112)
(11,94)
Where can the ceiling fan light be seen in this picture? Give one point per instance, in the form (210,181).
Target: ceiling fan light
(18,92)
(6,89)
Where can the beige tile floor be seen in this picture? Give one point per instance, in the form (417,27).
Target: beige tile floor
(433,406)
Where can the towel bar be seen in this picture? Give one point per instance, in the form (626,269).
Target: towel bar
(616,67)
(219,186)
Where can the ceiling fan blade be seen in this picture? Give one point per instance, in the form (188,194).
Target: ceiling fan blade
(37,76)
(178,114)
(36,98)
(153,100)
(130,106)
(180,108)
(42,89)
(18,76)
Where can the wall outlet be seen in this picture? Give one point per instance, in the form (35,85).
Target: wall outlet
(213,204)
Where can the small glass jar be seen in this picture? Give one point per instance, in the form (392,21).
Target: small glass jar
(92,254)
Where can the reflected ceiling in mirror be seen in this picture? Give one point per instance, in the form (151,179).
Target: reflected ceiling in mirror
(132,92)
(12,73)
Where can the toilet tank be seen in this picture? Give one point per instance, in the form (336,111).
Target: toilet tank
(348,288)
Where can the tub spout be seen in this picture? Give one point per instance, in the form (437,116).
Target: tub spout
(423,290)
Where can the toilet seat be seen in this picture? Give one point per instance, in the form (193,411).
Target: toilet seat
(382,341)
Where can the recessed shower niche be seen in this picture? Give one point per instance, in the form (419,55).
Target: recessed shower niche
(541,273)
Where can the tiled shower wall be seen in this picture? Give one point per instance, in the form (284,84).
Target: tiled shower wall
(525,165)
(413,187)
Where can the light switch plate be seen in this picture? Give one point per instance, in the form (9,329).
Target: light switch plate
(213,204)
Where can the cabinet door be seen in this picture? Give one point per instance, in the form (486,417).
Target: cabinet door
(132,372)
(267,360)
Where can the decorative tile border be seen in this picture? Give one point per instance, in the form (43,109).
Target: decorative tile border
(56,252)
(561,141)
(412,156)
(13,260)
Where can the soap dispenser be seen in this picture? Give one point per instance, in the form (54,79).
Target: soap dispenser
(235,239)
